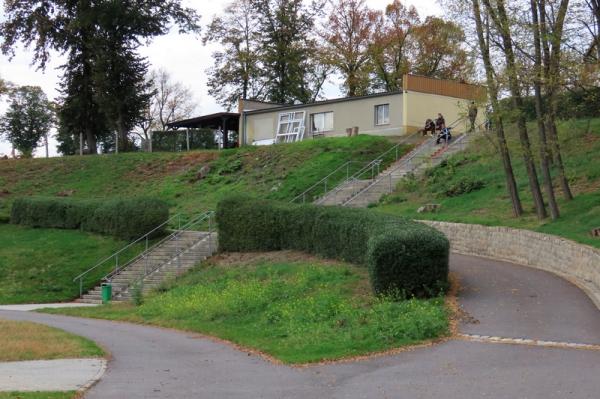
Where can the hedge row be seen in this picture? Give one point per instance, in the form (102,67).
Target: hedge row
(123,218)
(403,257)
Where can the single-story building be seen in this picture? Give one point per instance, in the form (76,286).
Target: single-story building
(389,114)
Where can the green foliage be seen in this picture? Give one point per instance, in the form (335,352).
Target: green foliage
(200,139)
(464,186)
(28,119)
(299,311)
(490,205)
(121,218)
(403,257)
(38,265)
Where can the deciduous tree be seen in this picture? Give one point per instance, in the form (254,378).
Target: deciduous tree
(28,119)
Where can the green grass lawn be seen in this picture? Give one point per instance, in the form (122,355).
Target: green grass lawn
(38,395)
(278,172)
(490,204)
(293,307)
(23,340)
(38,265)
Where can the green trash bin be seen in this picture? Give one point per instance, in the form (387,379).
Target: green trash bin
(106,292)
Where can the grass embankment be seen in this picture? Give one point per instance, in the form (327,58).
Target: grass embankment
(23,340)
(38,265)
(38,395)
(471,188)
(290,306)
(190,181)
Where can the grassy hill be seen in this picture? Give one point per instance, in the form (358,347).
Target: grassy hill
(479,169)
(38,265)
(191,181)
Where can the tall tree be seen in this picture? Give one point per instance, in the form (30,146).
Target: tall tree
(287,49)
(540,112)
(78,28)
(28,119)
(439,50)
(483,35)
(392,45)
(499,17)
(170,101)
(236,71)
(348,32)
(551,37)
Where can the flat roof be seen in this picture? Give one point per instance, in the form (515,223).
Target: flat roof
(211,121)
(323,102)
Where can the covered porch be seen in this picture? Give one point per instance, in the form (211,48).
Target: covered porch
(225,123)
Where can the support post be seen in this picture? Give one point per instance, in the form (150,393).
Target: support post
(150,143)
(46,143)
(187,138)
(116,143)
(80,143)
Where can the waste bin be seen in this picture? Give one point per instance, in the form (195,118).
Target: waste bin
(106,292)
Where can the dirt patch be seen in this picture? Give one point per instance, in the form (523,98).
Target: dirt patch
(236,258)
(162,167)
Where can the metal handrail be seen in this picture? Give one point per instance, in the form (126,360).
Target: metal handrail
(375,163)
(175,234)
(207,215)
(116,254)
(324,180)
(408,159)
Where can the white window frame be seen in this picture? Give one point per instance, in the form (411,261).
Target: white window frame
(326,128)
(386,115)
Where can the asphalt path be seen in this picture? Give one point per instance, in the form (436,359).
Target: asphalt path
(497,299)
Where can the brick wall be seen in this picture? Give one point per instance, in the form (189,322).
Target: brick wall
(577,263)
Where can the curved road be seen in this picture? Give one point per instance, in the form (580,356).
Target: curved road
(498,299)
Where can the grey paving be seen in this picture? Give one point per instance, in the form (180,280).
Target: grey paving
(158,363)
(34,306)
(50,375)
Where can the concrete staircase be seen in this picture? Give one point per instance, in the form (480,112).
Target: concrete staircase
(425,156)
(173,256)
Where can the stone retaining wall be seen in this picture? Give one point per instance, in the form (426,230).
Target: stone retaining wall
(577,263)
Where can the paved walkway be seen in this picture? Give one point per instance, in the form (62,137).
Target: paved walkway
(34,306)
(499,300)
(51,375)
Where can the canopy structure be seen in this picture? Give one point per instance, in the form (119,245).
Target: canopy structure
(223,121)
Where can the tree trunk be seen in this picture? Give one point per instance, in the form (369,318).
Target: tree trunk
(511,184)
(539,110)
(552,71)
(501,21)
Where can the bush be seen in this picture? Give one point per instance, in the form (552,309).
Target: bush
(464,186)
(122,218)
(404,257)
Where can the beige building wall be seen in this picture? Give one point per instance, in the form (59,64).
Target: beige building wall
(346,114)
(421,106)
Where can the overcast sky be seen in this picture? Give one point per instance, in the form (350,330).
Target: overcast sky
(183,56)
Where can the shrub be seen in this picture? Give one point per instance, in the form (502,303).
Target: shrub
(464,186)
(403,257)
(122,218)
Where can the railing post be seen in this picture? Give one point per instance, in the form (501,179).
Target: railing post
(390,183)
(347,170)
(210,234)
(397,151)
(325,186)
(80,287)
(146,243)
(304,197)
(179,221)
(116,263)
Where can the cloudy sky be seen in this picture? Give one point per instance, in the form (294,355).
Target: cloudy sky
(183,56)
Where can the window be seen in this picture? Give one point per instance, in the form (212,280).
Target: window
(321,122)
(382,114)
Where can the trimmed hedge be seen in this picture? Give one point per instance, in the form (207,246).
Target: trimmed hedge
(404,257)
(123,218)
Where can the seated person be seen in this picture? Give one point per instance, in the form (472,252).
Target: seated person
(429,127)
(440,123)
(444,135)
